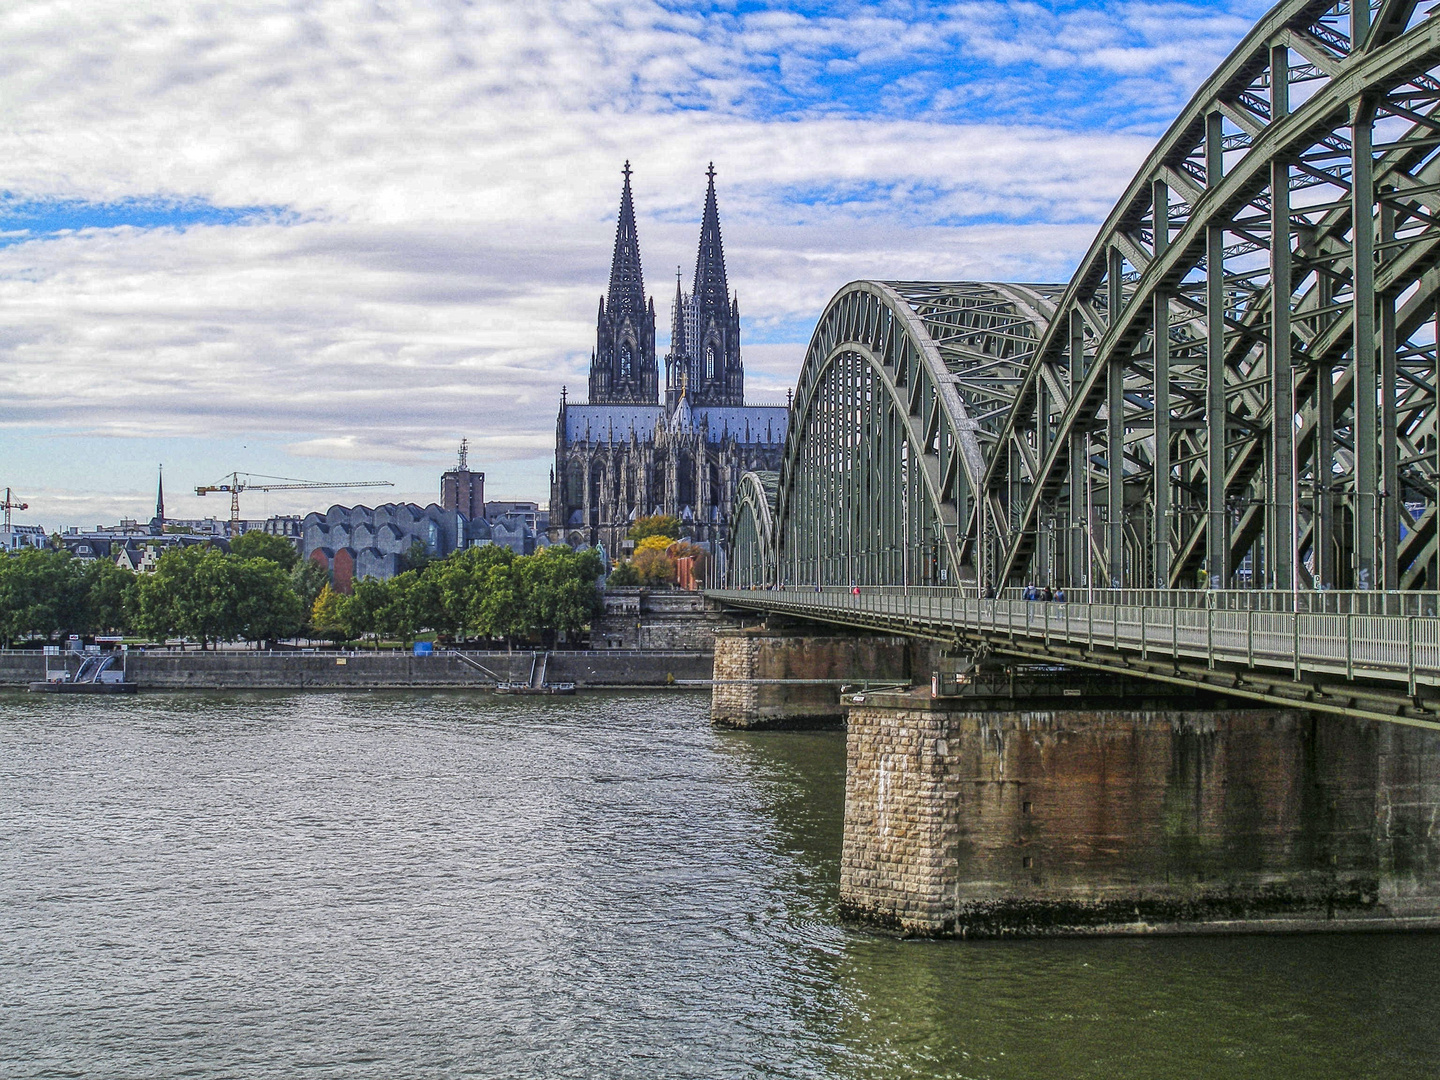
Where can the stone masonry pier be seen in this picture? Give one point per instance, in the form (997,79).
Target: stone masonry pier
(766,678)
(978,818)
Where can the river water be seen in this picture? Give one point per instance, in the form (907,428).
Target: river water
(444,884)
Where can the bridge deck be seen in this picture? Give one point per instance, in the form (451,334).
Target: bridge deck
(1314,646)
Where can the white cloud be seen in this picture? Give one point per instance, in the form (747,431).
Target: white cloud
(454,168)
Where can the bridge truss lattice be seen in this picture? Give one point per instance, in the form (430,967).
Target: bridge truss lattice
(1239,382)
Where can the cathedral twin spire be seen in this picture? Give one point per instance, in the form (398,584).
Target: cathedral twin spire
(622,368)
(704,358)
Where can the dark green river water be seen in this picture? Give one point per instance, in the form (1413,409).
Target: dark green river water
(437,885)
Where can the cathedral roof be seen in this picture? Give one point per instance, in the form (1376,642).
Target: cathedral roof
(746,424)
(627,284)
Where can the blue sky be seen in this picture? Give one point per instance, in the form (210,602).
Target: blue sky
(317,240)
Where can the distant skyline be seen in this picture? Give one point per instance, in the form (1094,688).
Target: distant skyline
(325,241)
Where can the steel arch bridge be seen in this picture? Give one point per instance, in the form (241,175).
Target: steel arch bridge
(1237,387)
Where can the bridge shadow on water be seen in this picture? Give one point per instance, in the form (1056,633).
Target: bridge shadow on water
(1304,1006)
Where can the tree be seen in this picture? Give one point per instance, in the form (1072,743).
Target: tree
(360,614)
(624,574)
(558,590)
(325,614)
(461,582)
(411,603)
(107,592)
(266,607)
(259,545)
(655,525)
(41,592)
(308,578)
(500,608)
(653,563)
(418,557)
(207,596)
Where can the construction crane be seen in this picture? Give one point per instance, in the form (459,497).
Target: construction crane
(235,485)
(10,504)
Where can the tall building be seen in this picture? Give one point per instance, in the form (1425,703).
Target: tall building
(461,489)
(624,454)
(622,367)
(704,357)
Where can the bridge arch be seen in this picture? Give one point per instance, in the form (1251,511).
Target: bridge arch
(1192,410)
(751,557)
(902,392)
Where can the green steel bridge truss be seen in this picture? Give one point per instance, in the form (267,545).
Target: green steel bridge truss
(1237,386)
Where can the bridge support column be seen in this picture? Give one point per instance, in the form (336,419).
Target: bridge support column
(964,821)
(766,678)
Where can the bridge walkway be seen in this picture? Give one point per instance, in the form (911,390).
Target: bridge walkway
(1374,655)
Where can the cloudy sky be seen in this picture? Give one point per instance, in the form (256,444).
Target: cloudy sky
(328,239)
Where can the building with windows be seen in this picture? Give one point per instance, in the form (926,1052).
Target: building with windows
(626,454)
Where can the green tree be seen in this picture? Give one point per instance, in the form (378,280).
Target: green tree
(259,545)
(500,610)
(308,578)
(558,590)
(410,605)
(418,557)
(462,580)
(361,613)
(41,592)
(655,525)
(623,575)
(207,596)
(107,592)
(267,609)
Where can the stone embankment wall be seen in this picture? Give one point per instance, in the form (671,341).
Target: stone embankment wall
(640,618)
(968,823)
(242,670)
(776,678)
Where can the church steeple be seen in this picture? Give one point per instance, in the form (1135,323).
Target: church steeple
(711,290)
(157,523)
(677,360)
(627,283)
(718,378)
(623,368)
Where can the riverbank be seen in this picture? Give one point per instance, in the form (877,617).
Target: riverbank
(601,668)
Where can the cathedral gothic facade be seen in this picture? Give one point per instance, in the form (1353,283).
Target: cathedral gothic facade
(625,453)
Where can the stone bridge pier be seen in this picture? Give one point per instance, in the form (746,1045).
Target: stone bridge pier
(1006,799)
(971,816)
(778,676)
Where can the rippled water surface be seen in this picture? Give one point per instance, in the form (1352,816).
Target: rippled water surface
(419,885)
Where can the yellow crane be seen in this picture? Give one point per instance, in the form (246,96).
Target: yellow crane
(239,482)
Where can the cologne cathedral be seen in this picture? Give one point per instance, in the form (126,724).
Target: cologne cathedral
(625,454)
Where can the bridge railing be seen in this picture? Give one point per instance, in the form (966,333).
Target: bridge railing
(1330,601)
(1363,641)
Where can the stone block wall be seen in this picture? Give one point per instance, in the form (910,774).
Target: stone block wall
(639,618)
(1065,821)
(240,670)
(784,678)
